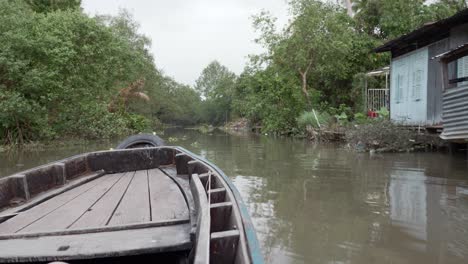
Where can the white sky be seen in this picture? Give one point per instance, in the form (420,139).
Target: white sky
(189,34)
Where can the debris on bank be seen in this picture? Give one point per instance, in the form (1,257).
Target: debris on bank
(241,124)
(205,129)
(386,136)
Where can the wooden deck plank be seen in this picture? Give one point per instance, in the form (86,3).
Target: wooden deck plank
(66,215)
(134,206)
(27,217)
(100,213)
(184,183)
(170,170)
(40,198)
(167,200)
(95,245)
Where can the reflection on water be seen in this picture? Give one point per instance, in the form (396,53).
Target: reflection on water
(324,204)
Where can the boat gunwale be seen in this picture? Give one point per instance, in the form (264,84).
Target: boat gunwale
(253,246)
(202,245)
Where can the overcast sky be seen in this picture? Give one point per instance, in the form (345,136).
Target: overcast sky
(189,34)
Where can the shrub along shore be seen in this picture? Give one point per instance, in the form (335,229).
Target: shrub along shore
(361,133)
(66,74)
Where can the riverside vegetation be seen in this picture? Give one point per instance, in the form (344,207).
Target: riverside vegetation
(66,74)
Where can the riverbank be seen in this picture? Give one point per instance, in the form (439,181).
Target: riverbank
(378,135)
(63,143)
(370,135)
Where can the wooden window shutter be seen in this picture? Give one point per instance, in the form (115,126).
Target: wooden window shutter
(417,85)
(399,88)
(462,69)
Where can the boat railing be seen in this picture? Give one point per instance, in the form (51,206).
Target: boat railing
(227,242)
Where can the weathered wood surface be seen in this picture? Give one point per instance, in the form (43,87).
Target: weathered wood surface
(202,247)
(217,195)
(101,212)
(93,245)
(184,183)
(134,206)
(48,195)
(221,216)
(167,201)
(64,216)
(37,212)
(169,170)
(110,200)
(223,246)
(95,229)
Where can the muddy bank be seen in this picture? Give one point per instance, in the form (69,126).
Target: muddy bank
(379,136)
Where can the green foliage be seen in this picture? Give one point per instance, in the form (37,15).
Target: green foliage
(319,48)
(216,84)
(360,118)
(342,118)
(308,118)
(343,111)
(383,113)
(21,118)
(92,120)
(311,62)
(270,98)
(390,19)
(358,90)
(176,104)
(60,69)
(45,6)
(137,122)
(319,58)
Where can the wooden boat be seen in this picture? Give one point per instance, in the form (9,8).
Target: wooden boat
(156,203)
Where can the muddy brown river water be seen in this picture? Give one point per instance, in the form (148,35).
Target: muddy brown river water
(324,204)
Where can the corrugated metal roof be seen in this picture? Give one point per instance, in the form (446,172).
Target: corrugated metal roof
(426,34)
(379,72)
(453,52)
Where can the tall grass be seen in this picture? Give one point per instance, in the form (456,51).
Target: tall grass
(308,118)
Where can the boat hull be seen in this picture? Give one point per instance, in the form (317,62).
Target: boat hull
(159,202)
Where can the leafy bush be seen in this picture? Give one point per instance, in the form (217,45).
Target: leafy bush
(21,118)
(91,120)
(342,118)
(343,110)
(383,113)
(309,119)
(59,68)
(360,118)
(137,123)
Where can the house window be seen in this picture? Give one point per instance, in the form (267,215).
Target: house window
(462,70)
(417,85)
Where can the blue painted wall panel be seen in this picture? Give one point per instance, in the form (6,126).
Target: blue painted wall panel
(408,88)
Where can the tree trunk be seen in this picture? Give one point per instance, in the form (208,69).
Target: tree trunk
(349,7)
(304,89)
(20,134)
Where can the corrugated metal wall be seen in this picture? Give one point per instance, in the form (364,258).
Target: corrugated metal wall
(434,83)
(458,36)
(455,113)
(455,100)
